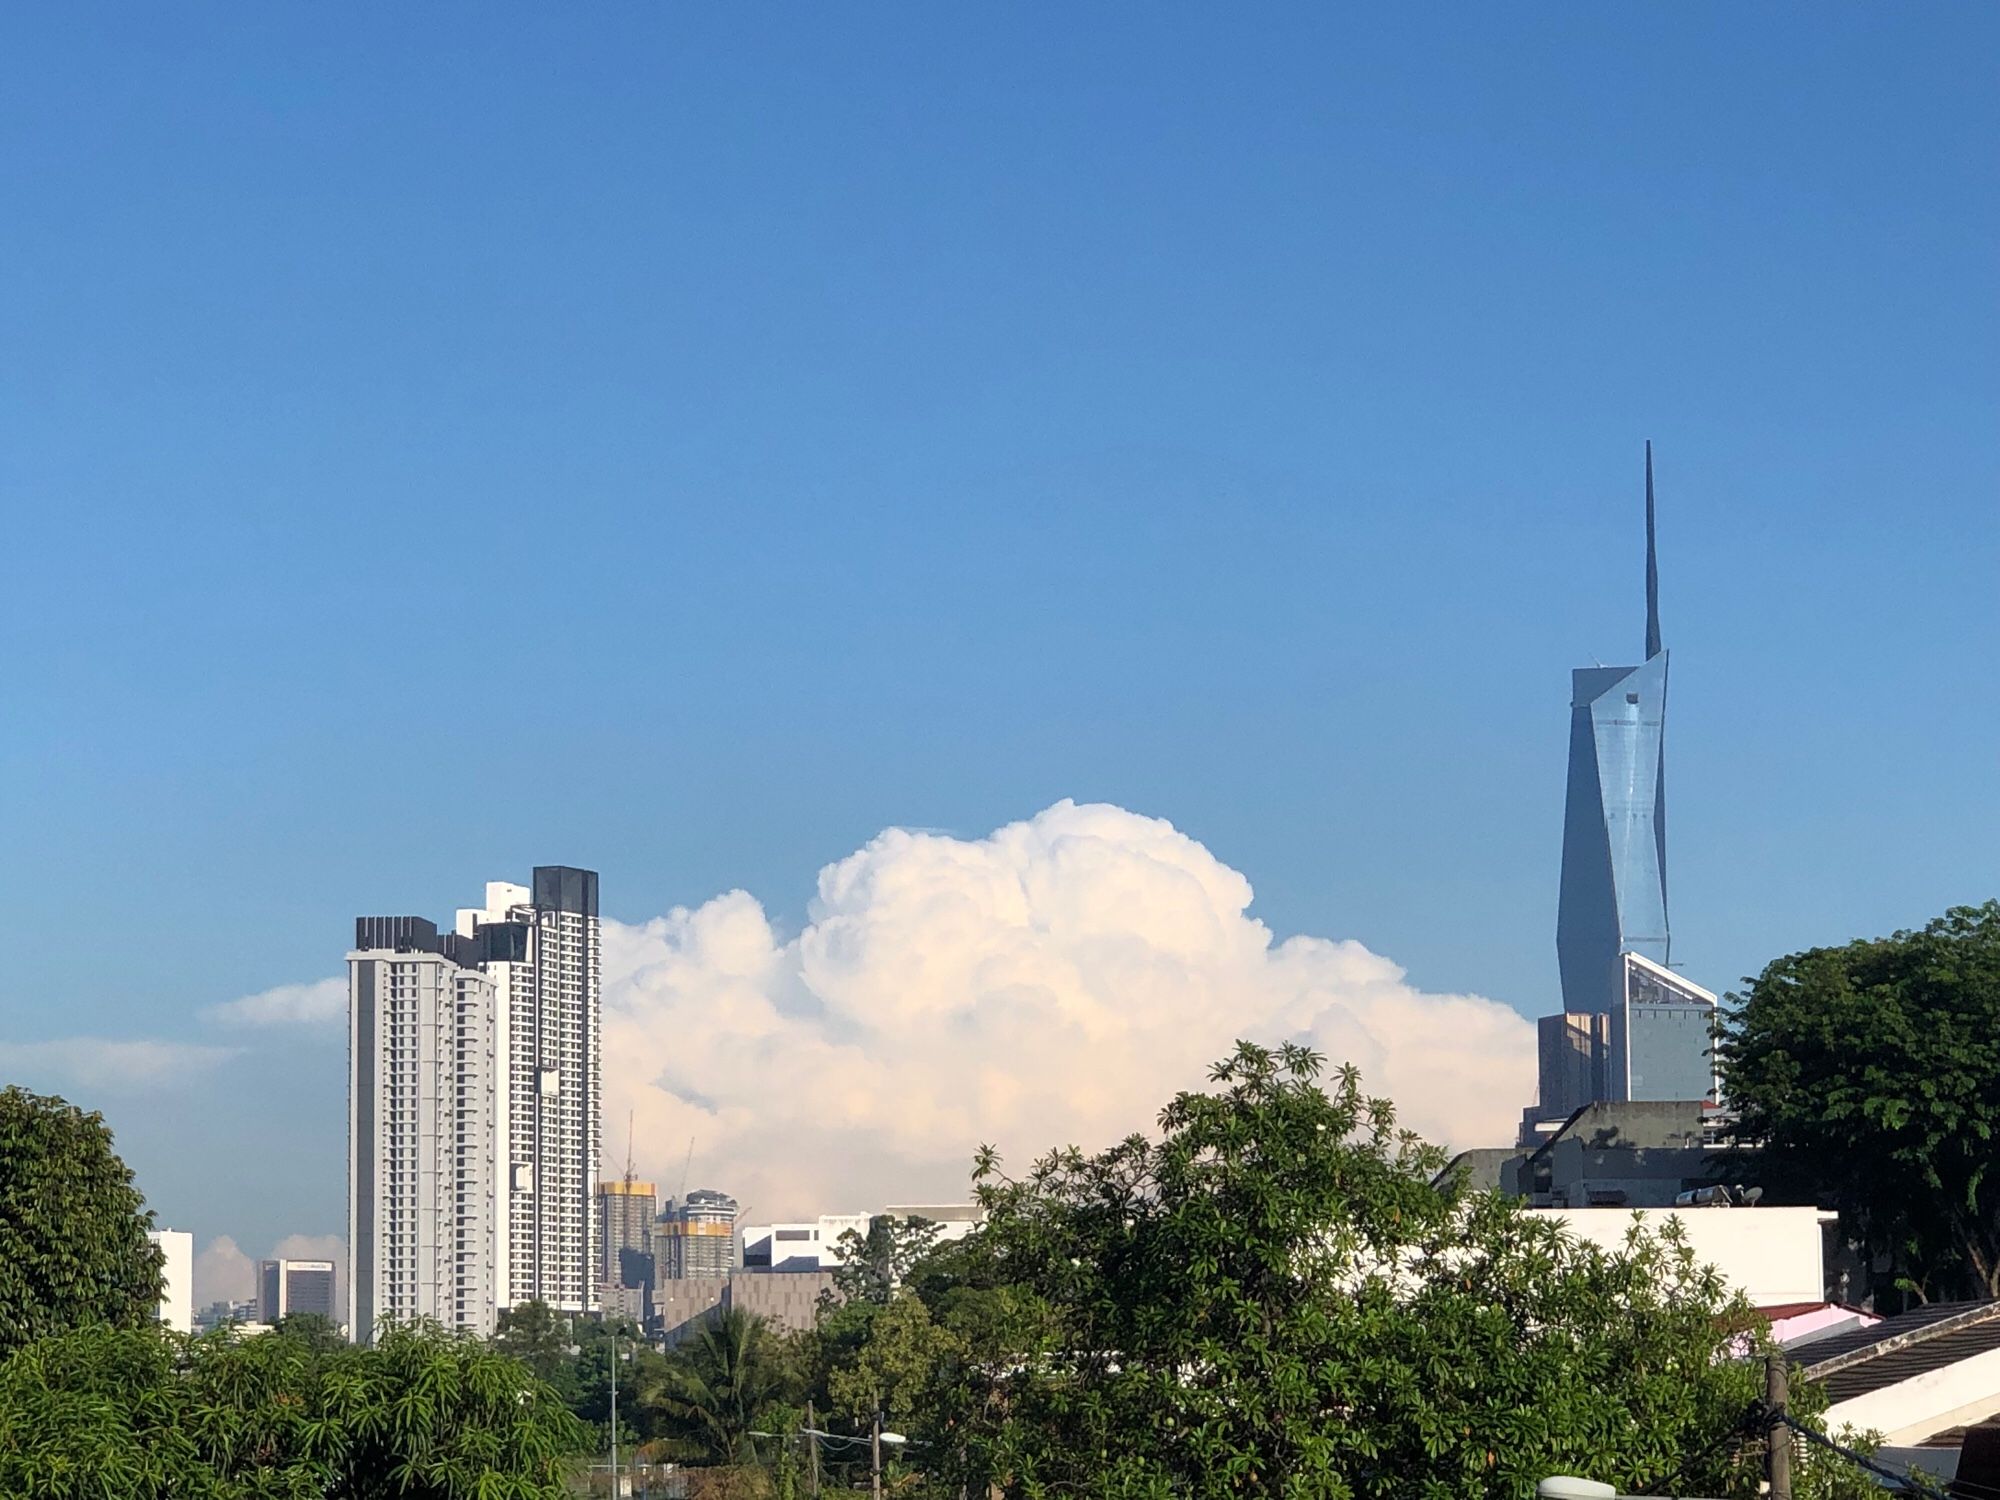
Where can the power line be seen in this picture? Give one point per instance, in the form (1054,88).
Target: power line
(1746,1425)
(1906,1484)
(1759,1420)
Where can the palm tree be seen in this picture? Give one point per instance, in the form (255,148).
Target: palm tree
(717,1388)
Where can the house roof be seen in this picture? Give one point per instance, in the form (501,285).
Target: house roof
(1799,1309)
(1900,1348)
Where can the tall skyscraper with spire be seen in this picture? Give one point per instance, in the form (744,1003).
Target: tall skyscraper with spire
(1614,859)
(1631,1027)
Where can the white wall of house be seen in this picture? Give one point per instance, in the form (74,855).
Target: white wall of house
(1774,1256)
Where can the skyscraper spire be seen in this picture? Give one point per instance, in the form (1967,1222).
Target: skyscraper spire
(1652,567)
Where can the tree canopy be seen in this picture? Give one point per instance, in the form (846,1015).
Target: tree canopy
(871,1266)
(1278,1296)
(545,1341)
(73,1228)
(717,1388)
(151,1415)
(1870,1073)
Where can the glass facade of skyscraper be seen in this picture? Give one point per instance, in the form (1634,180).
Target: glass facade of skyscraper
(1614,863)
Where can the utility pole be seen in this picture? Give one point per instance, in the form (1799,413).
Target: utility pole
(1778,1442)
(875,1455)
(812,1445)
(614,1416)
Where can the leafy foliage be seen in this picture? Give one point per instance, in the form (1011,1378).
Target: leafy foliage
(718,1388)
(73,1245)
(1871,1074)
(872,1266)
(1277,1297)
(144,1413)
(639,1367)
(316,1332)
(864,1357)
(545,1341)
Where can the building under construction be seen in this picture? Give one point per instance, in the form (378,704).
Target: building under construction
(695,1236)
(625,1209)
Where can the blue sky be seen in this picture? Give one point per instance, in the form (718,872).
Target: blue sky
(687,440)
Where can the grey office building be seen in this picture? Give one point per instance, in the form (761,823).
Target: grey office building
(287,1288)
(626,1208)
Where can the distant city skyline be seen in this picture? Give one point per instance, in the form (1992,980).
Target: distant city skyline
(699,444)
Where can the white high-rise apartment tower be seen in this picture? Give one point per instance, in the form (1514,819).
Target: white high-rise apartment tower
(426,1137)
(473,1106)
(550,988)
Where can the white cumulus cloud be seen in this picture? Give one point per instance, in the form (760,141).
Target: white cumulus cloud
(223,1273)
(1052,983)
(105,1061)
(318,1003)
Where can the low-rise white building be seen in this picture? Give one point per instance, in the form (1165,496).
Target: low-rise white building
(814,1244)
(176,1278)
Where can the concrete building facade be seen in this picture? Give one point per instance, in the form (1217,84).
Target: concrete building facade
(1619,1155)
(805,1245)
(814,1244)
(682,1305)
(1775,1256)
(787,1300)
(427,1132)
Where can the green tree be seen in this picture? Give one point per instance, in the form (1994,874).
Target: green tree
(317,1332)
(891,1369)
(1277,1297)
(147,1414)
(871,1266)
(1870,1073)
(544,1340)
(718,1388)
(639,1368)
(73,1245)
